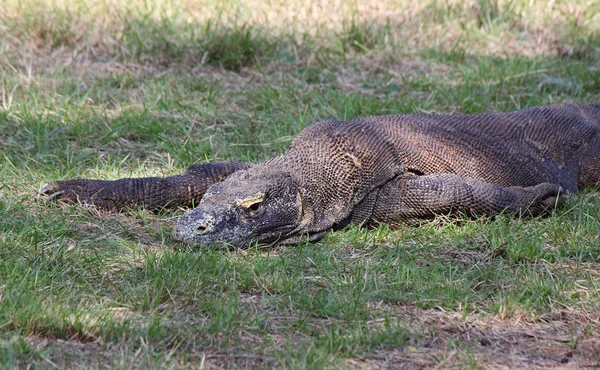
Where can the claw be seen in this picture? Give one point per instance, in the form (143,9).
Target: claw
(52,191)
(55,196)
(50,188)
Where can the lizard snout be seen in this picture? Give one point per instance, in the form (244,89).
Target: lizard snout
(193,224)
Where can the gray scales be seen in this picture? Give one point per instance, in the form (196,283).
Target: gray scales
(397,169)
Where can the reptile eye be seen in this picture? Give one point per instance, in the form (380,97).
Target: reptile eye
(254,208)
(252,204)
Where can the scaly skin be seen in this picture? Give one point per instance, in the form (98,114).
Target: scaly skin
(388,169)
(153,193)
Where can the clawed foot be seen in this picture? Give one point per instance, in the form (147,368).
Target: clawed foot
(546,197)
(53,191)
(80,191)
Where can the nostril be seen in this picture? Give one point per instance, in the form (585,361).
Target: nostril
(201,229)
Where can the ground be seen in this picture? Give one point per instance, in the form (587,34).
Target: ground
(108,89)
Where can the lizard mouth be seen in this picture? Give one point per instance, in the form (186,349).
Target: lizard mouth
(272,235)
(206,230)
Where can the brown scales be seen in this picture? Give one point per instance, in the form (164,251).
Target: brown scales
(388,169)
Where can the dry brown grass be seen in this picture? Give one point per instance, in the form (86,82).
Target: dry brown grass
(451,340)
(447,340)
(77,34)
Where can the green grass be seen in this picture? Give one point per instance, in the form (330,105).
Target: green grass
(100,89)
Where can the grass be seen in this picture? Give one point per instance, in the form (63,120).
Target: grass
(111,89)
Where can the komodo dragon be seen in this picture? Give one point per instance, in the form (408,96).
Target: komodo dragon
(388,169)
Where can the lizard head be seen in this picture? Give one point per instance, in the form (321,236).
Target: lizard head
(329,169)
(254,205)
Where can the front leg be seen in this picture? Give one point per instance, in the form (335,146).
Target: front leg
(416,198)
(152,193)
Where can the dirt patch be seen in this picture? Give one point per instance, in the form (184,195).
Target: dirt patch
(449,341)
(72,354)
